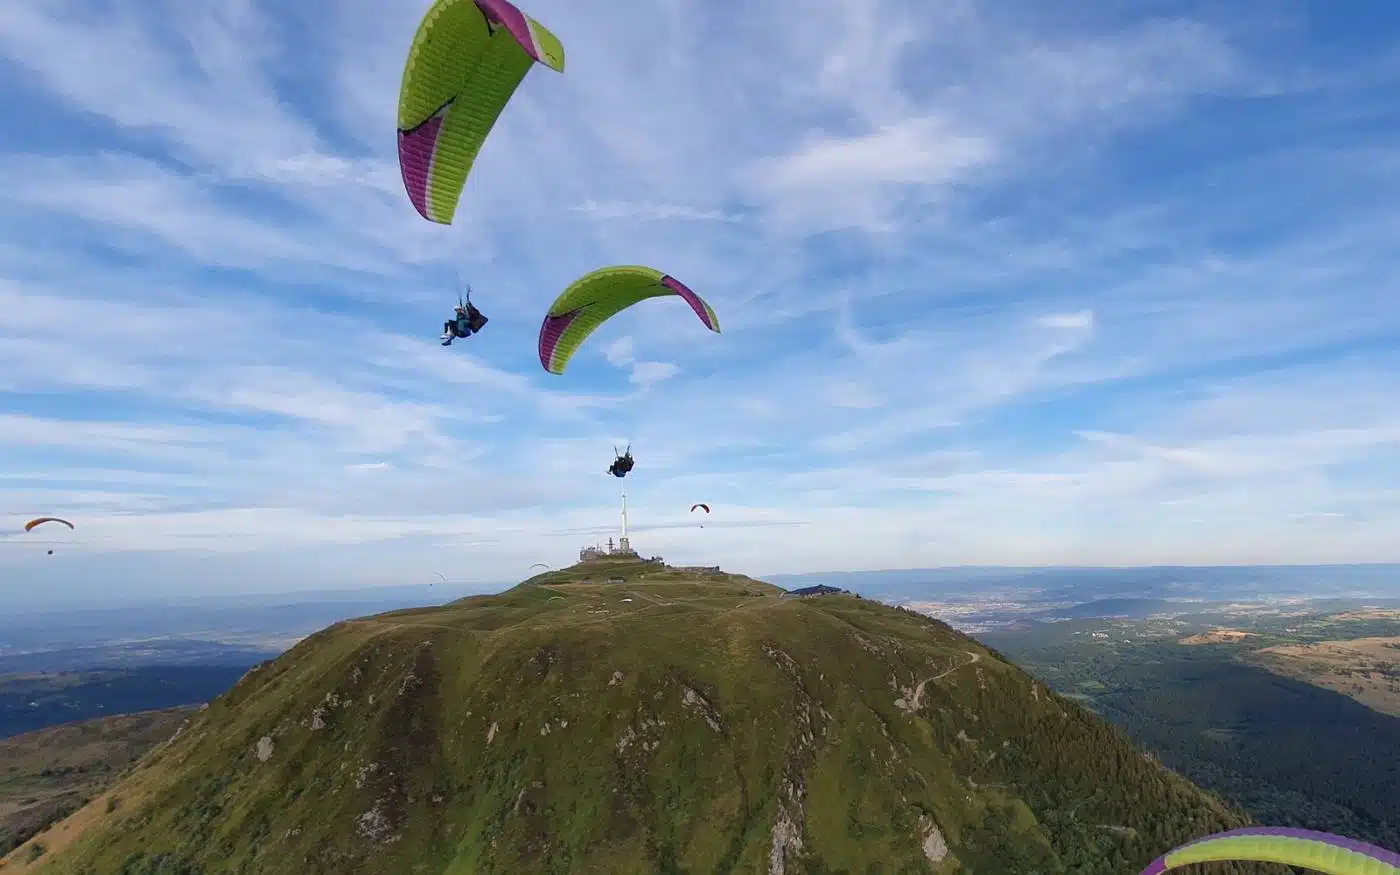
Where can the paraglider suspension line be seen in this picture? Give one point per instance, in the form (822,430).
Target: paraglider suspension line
(491,25)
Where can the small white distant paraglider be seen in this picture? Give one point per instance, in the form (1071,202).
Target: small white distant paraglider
(627,600)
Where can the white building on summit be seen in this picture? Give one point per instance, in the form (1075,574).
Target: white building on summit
(622,550)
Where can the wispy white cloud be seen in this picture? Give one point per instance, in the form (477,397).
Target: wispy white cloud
(822,176)
(1081,320)
(641,373)
(652,212)
(995,287)
(619,352)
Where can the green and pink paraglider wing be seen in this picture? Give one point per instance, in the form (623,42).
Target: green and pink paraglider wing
(596,297)
(1317,851)
(467,59)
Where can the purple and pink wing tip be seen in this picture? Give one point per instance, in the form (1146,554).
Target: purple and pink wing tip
(551,332)
(416,149)
(700,307)
(505,14)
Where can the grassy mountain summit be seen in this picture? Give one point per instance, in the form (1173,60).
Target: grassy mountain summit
(676,722)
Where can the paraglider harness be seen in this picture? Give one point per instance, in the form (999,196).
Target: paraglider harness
(622,465)
(467,322)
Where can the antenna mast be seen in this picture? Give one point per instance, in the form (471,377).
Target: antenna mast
(624,510)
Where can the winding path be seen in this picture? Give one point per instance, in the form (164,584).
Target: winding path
(917,701)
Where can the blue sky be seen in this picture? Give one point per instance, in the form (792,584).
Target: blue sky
(998,285)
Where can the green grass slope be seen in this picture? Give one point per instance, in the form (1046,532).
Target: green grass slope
(673,723)
(47,774)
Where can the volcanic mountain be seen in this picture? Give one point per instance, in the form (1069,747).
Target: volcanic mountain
(672,722)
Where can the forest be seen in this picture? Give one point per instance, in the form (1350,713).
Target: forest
(1287,752)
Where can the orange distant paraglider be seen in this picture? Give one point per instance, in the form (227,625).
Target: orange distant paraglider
(29,526)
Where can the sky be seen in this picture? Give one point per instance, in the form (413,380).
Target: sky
(999,284)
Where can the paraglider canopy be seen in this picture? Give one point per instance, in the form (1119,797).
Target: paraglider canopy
(34,523)
(29,526)
(1317,851)
(466,61)
(701,506)
(596,297)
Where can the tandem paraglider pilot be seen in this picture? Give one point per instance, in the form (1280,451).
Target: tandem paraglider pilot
(622,465)
(467,321)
